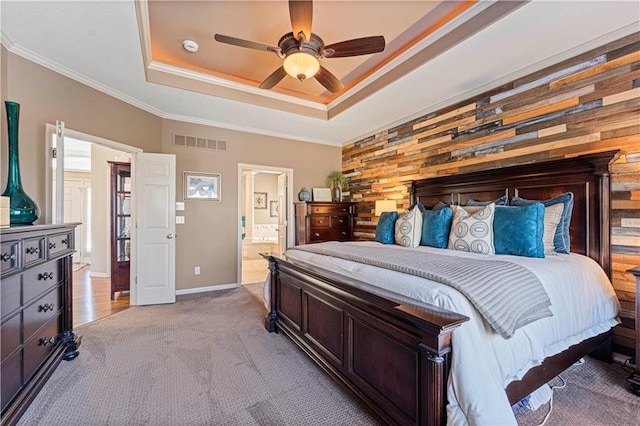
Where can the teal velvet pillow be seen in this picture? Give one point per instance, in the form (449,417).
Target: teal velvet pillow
(436,225)
(502,201)
(385,230)
(561,240)
(519,230)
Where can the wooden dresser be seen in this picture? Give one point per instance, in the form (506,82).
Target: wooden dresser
(35,310)
(634,380)
(324,221)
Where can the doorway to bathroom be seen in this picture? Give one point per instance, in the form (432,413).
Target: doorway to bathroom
(264,197)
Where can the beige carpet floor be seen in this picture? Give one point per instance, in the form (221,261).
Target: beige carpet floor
(207,360)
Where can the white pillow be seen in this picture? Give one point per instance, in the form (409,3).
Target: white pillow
(473,232)
(409,228)
(552,216)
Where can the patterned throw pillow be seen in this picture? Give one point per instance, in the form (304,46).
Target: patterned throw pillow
(552,217)
(409,228)
(473,232)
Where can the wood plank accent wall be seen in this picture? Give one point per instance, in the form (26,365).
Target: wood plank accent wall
(590,103)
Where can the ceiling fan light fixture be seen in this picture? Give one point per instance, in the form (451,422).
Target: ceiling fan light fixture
(301,65)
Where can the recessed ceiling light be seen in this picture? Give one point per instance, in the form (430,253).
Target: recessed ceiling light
(190,46)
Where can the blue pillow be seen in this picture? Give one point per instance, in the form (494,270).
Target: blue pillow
(436,225)
(502,201)
(561,240)
(519,230)
(386,228)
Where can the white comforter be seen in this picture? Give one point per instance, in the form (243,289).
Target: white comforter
(483,363)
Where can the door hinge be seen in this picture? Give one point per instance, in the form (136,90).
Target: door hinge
(54,152)
(136,280)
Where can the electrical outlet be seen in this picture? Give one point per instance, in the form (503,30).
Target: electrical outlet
(179,219)
(197,270)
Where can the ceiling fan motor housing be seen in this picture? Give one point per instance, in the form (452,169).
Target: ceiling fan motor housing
(289,44)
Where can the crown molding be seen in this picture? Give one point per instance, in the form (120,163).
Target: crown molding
(62,70)
(248,129)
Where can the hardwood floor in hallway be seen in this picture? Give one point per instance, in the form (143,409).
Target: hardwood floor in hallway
(92,298)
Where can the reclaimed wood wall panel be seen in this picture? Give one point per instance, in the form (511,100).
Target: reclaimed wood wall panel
(587,104)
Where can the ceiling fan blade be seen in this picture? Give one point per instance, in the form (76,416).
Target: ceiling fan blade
(274,78)
(357,46)
(245,43)
(301,13)
(328,80)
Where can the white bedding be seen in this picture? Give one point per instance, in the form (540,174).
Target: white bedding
(483,363)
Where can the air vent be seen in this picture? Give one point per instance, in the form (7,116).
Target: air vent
(194,142)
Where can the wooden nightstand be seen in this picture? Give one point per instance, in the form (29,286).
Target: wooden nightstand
(317,222)
(634,379)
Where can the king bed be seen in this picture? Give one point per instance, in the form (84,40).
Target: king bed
(418,352)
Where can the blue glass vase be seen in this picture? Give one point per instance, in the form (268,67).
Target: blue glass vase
(23,210)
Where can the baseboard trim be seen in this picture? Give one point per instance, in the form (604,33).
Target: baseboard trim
(99,274)
(206,289)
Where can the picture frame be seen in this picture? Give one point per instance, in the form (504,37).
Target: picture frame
(321,194)
(202,186)
(274,208)
(260,200)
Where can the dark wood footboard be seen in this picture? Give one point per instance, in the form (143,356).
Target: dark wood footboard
(395,358)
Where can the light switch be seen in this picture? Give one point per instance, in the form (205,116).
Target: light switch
(180,206)
(179,219)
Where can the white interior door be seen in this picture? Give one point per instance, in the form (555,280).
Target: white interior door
(153,267)
(282,212)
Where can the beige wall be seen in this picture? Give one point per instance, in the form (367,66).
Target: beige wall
(45,96)
(209,237)
(265,182)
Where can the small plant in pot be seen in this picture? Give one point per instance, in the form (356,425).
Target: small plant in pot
(338,182)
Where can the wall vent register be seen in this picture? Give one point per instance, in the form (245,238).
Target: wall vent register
(194,142)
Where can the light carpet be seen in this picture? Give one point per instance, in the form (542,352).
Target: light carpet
(207,360)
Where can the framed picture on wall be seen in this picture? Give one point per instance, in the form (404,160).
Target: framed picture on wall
(259,200)
(274,208)
(202,186)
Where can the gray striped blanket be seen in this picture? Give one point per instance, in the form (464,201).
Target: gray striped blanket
(507,295)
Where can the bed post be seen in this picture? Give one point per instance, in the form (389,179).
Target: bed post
(602,169)
(270,318)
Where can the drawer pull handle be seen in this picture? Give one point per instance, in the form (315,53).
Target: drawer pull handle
(65,242)
(344,210)
(344,233)
(7,256)
(320,221)
(317,235)
(47,307)
(32,250)
(52,246)
(341,221)
(46,276)
(48,341)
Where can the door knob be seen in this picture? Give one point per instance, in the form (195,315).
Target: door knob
(170,236)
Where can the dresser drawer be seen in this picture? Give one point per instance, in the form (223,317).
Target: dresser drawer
(320,221)
(59,243)
(41,311)
(39,279)
(34,250)
(318,235)
(41,345)
(10,256)
(11,378)
(339,222)
(336,208)
(10,333)
(9,295)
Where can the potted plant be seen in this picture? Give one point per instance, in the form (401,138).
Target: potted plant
(338,182)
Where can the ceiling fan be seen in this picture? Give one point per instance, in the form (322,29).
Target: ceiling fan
(302,50)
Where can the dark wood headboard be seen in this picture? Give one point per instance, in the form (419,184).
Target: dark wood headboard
(587,176)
